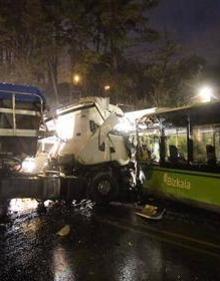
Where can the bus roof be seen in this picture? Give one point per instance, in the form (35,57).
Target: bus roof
(202,113)
(187,108)
(25,93)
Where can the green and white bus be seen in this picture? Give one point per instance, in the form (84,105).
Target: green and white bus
(184,144)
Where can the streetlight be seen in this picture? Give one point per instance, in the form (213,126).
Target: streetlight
(76,79)
(206,94)
(107,87)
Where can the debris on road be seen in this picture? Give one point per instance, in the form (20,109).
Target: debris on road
(83,204)
(151,212)
(64,231)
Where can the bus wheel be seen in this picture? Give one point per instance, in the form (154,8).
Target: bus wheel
(104,188)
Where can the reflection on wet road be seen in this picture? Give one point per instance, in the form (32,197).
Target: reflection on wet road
(103,244)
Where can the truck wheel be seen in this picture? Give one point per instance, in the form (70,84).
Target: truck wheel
(104,188)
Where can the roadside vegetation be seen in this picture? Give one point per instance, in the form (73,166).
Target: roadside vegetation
(46,43)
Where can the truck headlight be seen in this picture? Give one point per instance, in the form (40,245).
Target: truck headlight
(28,165)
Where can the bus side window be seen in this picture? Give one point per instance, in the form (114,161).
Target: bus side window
(150,145)
(156,150)
(204,145)
(217,145)
(173,153)
(211,157)
(176,145)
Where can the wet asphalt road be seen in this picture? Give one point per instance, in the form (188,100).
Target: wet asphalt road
(107,244)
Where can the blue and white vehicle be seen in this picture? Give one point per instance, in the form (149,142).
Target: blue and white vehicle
(21,122)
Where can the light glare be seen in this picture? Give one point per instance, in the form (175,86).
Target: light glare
(65,126)
(206,94)
(76,79)
(28,165)
(107,87)
(124,125)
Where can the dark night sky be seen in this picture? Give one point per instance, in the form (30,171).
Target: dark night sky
(194,23)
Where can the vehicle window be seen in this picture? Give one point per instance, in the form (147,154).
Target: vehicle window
(27,122)
(93,126)
(217,144)
(204,144)
(176,145)
(150,141)
(6,121)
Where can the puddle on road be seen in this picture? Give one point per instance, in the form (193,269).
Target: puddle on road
(32,237)
(24,213)
(62,268)
(92,251)
(22,205)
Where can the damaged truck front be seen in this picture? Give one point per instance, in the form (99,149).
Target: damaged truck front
(90,151)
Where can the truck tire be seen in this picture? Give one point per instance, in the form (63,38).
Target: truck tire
(104,188)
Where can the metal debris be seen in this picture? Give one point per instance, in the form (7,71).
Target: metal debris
(64,231)
(151,212)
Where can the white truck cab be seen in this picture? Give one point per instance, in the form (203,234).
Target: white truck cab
(86,134)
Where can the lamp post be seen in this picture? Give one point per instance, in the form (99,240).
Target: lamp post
(107,88)
(77,81)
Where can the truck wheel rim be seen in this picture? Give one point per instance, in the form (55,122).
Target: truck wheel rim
(104,187)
